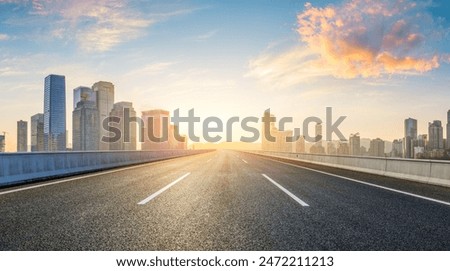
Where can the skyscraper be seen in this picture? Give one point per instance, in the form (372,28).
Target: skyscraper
(104,95)
(37,132)
(376,148)
(85,128)
(410,137)
(124,143)
(317,148)
(435,136)
(55,113)
(397,148)
(2,143)
(300,145)
(355,144)
(448,129)
(83,94)
(22,136)
(157,126)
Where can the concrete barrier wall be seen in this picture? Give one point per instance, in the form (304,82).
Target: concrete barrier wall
(427,171)
(18,168)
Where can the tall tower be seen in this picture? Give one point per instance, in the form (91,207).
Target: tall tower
(435,135)
(130,128)
(355,144)
(159,130)
(37,132)
(55,113)
(85,126)
(104,94)
(410,137)
(83,94)
(22,136)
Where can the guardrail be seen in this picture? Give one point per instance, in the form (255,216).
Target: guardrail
(426,171)
(18,168)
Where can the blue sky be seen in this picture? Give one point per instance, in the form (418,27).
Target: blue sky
(228,58)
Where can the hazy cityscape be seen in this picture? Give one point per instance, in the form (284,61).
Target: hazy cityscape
(266,134)
(91,105)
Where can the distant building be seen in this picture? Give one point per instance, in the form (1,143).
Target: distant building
(300,145)
(435,136)
(2,143)
(318,148)
(83,94)
(156,129)
(22,136)
(174,143)
(397,148)
(377,148)
(355,144)
(363,151)
(85,128)
(448,130)
(37,132)
(331,148)
(55,113)
(419,152)
(123,143)
(280,142)
(343,148)
(104,95)
(422,141)
(410,136)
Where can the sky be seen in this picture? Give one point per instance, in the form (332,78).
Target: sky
(376,62)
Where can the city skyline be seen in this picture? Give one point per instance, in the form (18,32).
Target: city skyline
(205,55)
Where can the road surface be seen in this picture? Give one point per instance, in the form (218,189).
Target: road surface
(225,200)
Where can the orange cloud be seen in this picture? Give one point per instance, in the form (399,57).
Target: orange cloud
(363,38)
(358,39)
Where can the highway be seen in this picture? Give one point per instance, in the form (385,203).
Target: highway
(225,200)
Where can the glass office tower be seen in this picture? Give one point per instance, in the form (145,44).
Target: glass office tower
(55,113)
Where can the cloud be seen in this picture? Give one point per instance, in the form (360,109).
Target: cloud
(97,25)
(207,35)
(4,37)
(359,39)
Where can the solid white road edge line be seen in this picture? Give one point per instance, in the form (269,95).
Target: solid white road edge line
(365,183)
(152,196)
(301,202)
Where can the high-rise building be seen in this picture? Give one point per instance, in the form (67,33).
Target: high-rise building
(37,132)
(300,145)
(85,128)
(2,143)
(318,148)
(397,148)
(410,137)
(435,136)
(156,129)
(55,113)
(355,144)
(126,129)
(83,94)
(280,141)
(376,148)
(22,136)
(448,129)
(104,95)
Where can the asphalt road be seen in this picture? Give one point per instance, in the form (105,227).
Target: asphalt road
(224,200)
